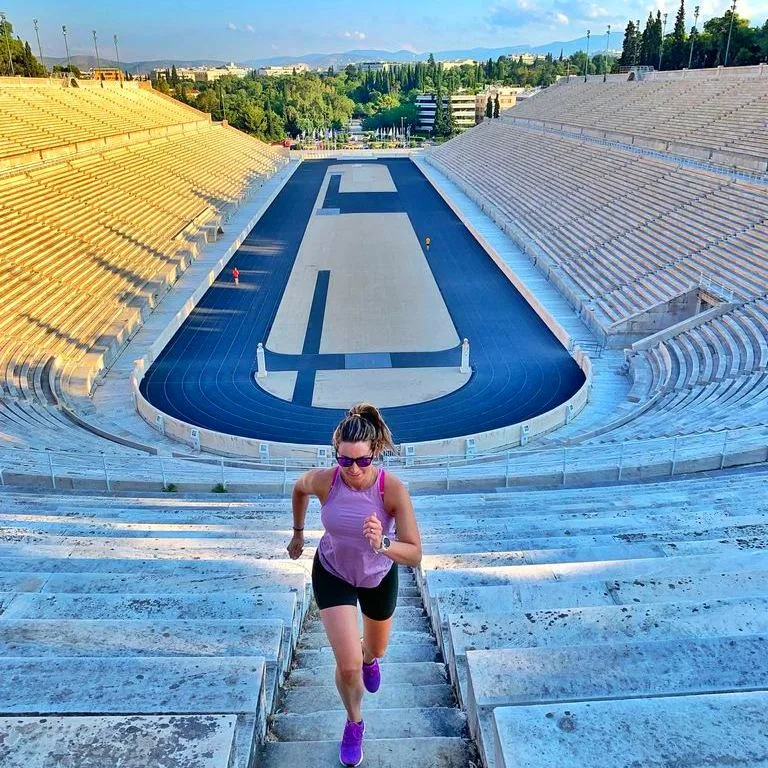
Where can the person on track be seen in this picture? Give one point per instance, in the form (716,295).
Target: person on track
(236,275)
(355,561)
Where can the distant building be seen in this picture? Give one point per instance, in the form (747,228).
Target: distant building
(463,105)
(508,96)
(373,66)
(106,74)
(289,69)
(202,74)
(458,63)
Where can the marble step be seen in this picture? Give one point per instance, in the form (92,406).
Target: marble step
(566,595)
(417,623)
(207,580)
(107,638)
(398,723)
(585,554)
(593,626)
(131,685)
(716,730)
(621,670)
(568,535)
(399,673)
(524,576)
(395,653)
(425,752)
(399,636)
(128,741)
(270,545)
(196,566)
(316,698)
(261,605)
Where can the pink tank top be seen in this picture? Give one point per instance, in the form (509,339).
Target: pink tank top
(343,550)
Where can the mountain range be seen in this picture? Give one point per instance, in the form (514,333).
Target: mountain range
(338,60)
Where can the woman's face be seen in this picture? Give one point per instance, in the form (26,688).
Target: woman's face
(355,474)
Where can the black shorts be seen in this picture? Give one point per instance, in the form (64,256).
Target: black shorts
(377,603)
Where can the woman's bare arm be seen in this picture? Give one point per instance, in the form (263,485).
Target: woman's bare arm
(406,549)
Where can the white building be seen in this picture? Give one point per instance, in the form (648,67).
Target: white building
(373,66)
(463,105)
(289,69)
(209,75)
(457,63)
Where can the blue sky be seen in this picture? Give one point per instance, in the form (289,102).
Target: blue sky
(236,30)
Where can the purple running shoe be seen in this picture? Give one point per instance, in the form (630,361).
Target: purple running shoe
(351,749)
(371,676)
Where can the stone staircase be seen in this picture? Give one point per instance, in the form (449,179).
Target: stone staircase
(598,626)
(413,718)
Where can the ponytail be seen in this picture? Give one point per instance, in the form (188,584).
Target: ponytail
(364,424)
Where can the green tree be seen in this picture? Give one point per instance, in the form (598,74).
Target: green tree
(675,45)
(438,127)
(174,77)
(496,106)
(161,84)
(489,107)
(629,46)
(24,62)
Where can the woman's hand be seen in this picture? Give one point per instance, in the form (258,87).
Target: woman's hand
(373,531)
(296,545)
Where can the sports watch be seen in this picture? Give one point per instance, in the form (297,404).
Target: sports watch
(385,545)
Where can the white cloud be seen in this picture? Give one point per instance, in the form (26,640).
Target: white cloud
(353,35)
(521,13)
(248,28)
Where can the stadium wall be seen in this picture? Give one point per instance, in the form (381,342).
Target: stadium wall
(232,445)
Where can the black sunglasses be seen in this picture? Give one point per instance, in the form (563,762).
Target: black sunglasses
(361,461)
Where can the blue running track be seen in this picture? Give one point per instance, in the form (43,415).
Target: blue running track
(205,376)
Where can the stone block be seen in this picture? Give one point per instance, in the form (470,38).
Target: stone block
(624,670)
(128,741)
(718,730)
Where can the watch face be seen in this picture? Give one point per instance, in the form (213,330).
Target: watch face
(385,542)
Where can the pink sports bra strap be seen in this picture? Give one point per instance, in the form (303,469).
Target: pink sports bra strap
(381,484)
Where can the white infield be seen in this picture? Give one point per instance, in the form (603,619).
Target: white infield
(382,298)
(387,387)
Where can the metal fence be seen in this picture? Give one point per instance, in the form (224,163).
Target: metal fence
(547,467)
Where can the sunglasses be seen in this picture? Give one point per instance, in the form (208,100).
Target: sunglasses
(361,461)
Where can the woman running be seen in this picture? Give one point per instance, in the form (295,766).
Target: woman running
(361,506)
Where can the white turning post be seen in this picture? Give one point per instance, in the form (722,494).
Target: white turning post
(261,364)
(465,356)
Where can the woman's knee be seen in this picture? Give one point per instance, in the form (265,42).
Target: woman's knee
(350,669)
(377,647)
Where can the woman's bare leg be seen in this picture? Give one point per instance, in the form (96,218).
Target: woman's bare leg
(375,638)
(340,624)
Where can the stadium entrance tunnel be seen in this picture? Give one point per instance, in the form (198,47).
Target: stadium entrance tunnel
(669,317)
(360,283)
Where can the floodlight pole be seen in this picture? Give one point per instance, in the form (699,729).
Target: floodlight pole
(96,46)
(66,47)
(39,47)
(693,36)
(7,42)
(730,29)
(661,44)
(605,57)
(586,63)
(636,57)
(117,56)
